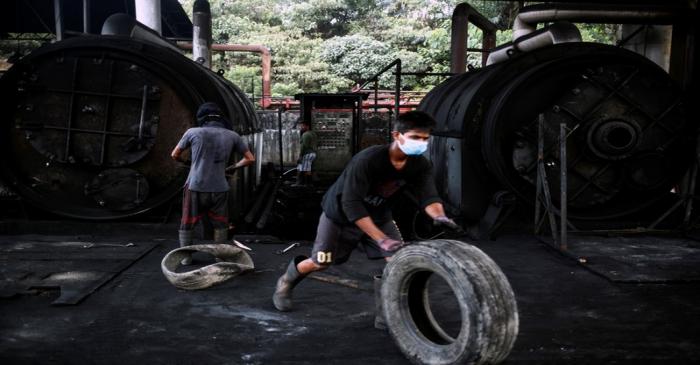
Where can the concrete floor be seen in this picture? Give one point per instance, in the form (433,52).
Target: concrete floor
(567,315)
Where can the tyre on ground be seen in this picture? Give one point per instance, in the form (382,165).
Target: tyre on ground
(489,315)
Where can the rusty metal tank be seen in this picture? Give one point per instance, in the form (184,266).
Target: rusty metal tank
(632,137)
(87,125)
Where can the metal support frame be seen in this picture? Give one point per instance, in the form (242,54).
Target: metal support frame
(397,86)
(688,197)
(560,234)
(563,240)
(543,197)
(357,125)
(280,111)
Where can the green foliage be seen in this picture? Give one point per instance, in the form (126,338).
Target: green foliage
(331,45)
(355,57)
(599,33)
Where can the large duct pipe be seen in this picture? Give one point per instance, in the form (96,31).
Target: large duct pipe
(256,48)
(528,18)
(560,32)
(201,33)
(148,13)
(125,25)
(462,15)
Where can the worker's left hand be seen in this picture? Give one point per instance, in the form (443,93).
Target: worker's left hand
(389,244)
(447,223)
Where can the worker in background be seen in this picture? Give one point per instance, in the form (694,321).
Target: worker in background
(206,189)
(307,155)
(357,207)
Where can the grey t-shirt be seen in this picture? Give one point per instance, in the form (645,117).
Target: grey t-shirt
(211,149)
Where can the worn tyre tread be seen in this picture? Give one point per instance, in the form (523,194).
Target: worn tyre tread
(486,299)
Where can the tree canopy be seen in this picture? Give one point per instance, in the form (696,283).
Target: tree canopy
(331,45)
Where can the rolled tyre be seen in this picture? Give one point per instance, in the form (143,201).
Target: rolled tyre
(489,314)
(231,261)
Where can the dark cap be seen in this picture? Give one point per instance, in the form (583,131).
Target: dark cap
(210,111)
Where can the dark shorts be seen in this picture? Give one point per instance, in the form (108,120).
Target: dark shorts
(195,204)
(334,243)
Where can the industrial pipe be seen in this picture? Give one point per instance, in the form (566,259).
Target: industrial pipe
(58,18)
(266,99)
(560,32)
(528,18)
(125,25)
(86,16)
(148,13)
(462,15)
(201,33)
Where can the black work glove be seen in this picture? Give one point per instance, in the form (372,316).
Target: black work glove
(448,223)
(389,244)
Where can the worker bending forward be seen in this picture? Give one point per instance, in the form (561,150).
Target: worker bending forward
(359,203)
(206,188)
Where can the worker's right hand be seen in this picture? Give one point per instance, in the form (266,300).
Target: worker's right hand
(389,244)
(231,169)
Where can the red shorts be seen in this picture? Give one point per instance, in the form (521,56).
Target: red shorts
(195,204)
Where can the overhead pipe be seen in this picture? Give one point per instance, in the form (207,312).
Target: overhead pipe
(125,25)
(266,99)
(201,32)
(528,18)
(148,13)
(560,32)
(461,17)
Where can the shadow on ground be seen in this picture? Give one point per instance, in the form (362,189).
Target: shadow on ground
(568,315)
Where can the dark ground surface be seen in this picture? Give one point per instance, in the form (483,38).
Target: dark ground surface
(568,315)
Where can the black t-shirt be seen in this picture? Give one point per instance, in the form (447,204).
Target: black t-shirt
(370,182)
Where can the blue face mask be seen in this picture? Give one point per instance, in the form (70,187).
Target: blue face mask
(413,147)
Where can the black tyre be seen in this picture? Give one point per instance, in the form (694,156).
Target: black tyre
(485,300)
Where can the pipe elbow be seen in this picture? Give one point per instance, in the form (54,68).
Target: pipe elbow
(119,24)
(521,28)
(564,32)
